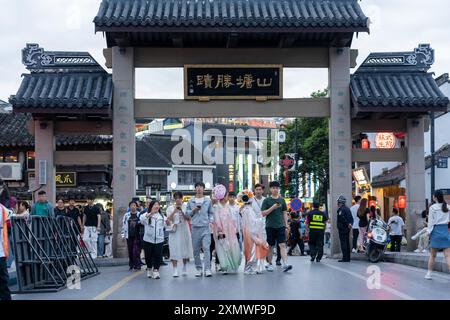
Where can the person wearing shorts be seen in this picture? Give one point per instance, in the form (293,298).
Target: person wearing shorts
(275,210)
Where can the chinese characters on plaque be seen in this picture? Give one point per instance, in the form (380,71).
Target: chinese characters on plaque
(233,82)
(66,179)
(385,140)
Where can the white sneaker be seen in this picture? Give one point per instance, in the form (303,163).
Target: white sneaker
(353,250)
(417,250)
(149,273)
(269,267)
(428,275)
(208,273)
(414,237)
(424,251)
(175,273)
(198,273)
(156,275)
(184,272)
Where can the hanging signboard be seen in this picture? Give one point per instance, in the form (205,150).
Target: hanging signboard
(385,140)
(361,177)
(207,82)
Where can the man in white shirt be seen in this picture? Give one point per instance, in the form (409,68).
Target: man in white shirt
(258,199)
(354,210)
(396,224)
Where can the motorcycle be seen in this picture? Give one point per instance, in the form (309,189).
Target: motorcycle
(377,240)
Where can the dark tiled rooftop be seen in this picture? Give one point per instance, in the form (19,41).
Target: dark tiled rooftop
(307,14)
(14,133)
(59,90)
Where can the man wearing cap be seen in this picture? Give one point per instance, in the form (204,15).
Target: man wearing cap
(316,221)
(344,225)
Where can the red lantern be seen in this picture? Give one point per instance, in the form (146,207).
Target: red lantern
(402,202)
(365,143)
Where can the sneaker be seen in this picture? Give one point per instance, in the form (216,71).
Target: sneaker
(184,272)
(269,267)
(251,272)
(198,273)
(208,273)
(428,275)
(278,263)
(318,260)
(417,250)
(353,250)
(175,273)
(156,275)
(149,274)
(286,268)
(414,237)
(312,259)
(424,251)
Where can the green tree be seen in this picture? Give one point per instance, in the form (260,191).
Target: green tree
(309,138)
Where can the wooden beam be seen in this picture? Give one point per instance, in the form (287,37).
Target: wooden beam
(178,57)
(160,108)
(378,126)
(379,155)
(72,158)
(83,127)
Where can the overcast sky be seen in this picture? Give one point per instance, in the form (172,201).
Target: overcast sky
(62,25)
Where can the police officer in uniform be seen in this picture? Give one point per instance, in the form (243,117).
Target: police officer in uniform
(316,221)
(344,225)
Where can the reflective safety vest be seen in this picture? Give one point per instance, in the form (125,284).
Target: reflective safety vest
(316,222)
(4,229)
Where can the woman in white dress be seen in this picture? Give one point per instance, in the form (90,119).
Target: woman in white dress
(180,243)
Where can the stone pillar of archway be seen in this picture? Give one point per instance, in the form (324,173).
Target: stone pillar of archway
(340,143)
(45,146)
(415,178)
(124,145)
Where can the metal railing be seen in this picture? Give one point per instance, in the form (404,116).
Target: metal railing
(48,253)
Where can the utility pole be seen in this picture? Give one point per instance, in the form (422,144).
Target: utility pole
(433,161)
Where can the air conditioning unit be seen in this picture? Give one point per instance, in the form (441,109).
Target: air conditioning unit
(11,171)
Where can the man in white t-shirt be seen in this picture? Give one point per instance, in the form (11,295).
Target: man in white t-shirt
(354,210)
(396,224)
(258,199)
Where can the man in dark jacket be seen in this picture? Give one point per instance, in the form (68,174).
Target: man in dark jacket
(344,225)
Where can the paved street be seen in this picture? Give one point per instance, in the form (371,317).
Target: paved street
(326,280)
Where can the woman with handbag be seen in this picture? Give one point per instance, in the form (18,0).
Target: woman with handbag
(180,244)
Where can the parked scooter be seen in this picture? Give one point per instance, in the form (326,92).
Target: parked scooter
(377,240)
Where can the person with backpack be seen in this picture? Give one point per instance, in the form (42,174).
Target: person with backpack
(154,226)
(130,232)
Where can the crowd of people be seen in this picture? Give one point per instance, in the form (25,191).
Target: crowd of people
(222,231)
(226,228)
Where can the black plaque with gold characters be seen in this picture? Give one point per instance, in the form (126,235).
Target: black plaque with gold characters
(233,82)
(66,179)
